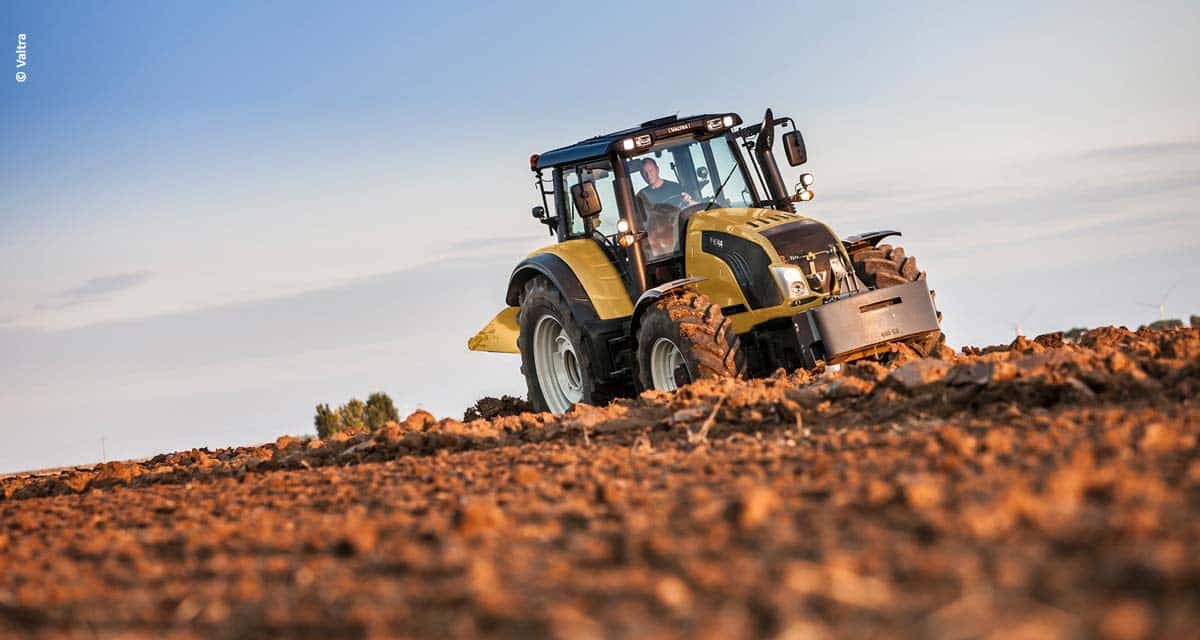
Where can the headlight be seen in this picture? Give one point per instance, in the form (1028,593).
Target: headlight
(791,281)
(806,179)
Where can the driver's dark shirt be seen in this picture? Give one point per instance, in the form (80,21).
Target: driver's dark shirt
(668,192)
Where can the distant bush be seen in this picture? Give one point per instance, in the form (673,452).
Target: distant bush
(328,421)
(356,415)
(380,410)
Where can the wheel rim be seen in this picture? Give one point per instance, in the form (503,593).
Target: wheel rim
(667,367)
(557,365)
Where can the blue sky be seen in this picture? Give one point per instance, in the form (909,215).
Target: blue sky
(215,215)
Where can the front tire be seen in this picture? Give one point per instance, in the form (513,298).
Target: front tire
(554,357)
(683,338)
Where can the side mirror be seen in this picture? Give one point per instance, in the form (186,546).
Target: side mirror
(793,146)
(587,201)
(539,213)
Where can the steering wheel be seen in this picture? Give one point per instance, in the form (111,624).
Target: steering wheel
(673,203)
(665,208)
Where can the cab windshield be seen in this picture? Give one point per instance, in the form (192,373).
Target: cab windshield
(677,175)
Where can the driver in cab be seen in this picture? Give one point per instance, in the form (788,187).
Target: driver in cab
(659,191)
(661,199)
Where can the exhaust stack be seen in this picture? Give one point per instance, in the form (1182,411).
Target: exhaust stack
(766,162)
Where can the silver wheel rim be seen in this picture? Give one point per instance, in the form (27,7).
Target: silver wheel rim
(665,359)
(557,365)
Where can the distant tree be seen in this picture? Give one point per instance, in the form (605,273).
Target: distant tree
(328,421)
(354,414)
(380,409)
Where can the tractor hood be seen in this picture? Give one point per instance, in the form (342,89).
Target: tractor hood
(790,238)
(742,253)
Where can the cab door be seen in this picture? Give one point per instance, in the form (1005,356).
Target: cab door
(602,228)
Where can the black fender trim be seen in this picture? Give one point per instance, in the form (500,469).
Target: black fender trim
(604,338)
(559,273)
(869,239)
(651,296)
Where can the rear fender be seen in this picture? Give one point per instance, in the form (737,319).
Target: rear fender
(595,293)
(582,273)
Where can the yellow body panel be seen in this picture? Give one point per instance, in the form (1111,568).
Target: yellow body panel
(499,335)
(607,292)
(721,286)
(597,274)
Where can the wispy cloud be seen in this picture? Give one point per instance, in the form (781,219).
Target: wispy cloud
(1147,150)
(499,244)
(96,289)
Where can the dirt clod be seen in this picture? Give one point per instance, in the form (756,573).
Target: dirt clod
(478,516)
(489,407)
(418,421)
(755,505)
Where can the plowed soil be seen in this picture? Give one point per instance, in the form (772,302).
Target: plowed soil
(1044,489)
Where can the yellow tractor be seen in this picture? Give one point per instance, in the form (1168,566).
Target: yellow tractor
(680,256)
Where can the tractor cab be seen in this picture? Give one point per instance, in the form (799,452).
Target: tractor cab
(678,177)
(633,190)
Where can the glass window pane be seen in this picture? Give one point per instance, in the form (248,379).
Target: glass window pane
(600,175)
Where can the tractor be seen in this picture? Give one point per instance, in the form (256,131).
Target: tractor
(680,256)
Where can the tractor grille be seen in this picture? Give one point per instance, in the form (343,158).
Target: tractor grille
(795,240)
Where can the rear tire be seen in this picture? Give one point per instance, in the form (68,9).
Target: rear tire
(682,338)
(554,357)
(885,266)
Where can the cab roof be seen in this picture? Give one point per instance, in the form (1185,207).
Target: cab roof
(597,147)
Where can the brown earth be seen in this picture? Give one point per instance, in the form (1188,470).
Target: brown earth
(1045,489)
(489,407)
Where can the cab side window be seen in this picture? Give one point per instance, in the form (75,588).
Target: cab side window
(600,174)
